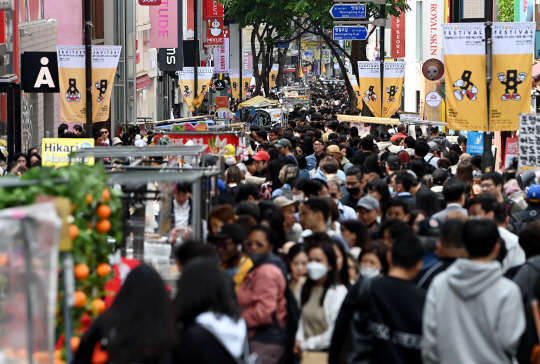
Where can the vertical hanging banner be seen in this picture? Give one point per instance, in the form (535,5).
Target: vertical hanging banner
(204,80)
(186,79)
(356,88)
(71,73)
(369,79)
(234,76)
(432,20)
(221,58)
(513,48)
(164,25)
(104,63)
(465,63)
(398,36)
(71,76)
(214,32)
(393,87)
(247,75)
(273,75)
(212,8)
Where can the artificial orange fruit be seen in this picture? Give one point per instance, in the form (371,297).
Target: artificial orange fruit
(75,342)
(106,195)
(81,271)
(73,231)
(103,211)
(103,269)
(3,259)
(97,306)
(89,199)
(80,299)
(103,226)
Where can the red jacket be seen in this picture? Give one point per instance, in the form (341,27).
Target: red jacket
(261,294)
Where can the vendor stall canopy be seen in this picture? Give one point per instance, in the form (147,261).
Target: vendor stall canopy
(257,101)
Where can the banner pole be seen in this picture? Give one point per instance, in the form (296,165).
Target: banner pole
(381,56)
(197,56)
(88,66)
(487,155)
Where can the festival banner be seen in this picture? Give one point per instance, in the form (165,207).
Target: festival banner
(164,25)
(221,58)
(204,80)
(71,73)
(186,79)
(465,63)
(369,80)
(247,76)
(356,88)
(393,86)
(513,47)
(273,75)
(56,151)
(234,76)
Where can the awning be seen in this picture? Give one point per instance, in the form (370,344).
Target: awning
(143,81)
(257,101)
(368,119)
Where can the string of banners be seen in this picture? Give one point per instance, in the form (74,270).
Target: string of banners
(465,70)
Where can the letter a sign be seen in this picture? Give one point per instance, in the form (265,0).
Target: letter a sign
(39,72)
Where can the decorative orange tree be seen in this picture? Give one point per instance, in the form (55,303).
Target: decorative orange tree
(96,216)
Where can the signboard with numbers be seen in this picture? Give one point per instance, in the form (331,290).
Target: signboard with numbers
(529,142)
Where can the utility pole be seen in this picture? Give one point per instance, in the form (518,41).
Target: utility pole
(487,157)
(88,66)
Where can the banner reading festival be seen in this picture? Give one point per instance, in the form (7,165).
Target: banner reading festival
(393,86)
(71,72)
(369,79)
(234,76)
(513,47)
(465,72)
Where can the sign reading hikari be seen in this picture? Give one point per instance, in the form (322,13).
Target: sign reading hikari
(55,151)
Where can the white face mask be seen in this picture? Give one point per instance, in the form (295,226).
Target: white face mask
(298,198)
(316,270)
(369,272)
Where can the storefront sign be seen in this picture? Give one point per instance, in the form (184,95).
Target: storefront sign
(529,142)
(56,151)
(164,25)
(39,72)
(398,36)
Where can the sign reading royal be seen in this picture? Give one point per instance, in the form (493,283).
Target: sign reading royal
(56,151)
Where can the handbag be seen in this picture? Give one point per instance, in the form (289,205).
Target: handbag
(314,357)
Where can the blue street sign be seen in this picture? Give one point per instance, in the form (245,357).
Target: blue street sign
(281,45)
(308,54)
(475,143)
(356,11)
(350,33)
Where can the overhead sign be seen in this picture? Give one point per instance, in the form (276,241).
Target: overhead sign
(341,11)
(39,72)
(350,33)
(281,45)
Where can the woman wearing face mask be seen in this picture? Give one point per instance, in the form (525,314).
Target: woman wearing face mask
(262,297)
(372,260)
(321,298)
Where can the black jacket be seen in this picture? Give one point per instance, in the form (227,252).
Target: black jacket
(395,321)
(198,345)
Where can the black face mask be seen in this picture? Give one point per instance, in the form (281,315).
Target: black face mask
(353,191)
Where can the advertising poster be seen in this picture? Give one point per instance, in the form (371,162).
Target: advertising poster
(475,143)
(164,25)
(55,151)
(221,58)
(432,21)
(398,36)
(214,31)
(511,151)
(529,142)
(393,87)
(273,75)
(369,80)
(71,73)
(513,48)
(465,63)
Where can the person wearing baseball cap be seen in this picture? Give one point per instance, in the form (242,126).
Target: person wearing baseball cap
(284,148)
(368,210)
(228,242)
(261,160)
